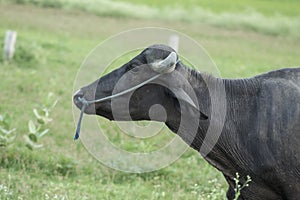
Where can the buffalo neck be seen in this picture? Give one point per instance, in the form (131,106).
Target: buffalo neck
(239,100)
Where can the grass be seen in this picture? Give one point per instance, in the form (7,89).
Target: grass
(268,17)
(51,45)
(266,7)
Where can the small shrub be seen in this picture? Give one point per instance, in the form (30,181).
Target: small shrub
(38,127)
(27,54)
(7,135)
(239,186)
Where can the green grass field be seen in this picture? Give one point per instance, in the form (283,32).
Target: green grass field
(268,17)
(51,45)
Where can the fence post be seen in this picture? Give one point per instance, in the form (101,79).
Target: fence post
(174,42)
(9,45)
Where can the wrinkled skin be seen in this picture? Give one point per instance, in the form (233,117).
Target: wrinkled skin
(261,133)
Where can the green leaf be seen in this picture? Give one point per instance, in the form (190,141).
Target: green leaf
(3,131)
(50,101)
(53,104)
(33,137)
(11,131)
(32,127)
(2,138)
(46,120)
(43,133)
(46,112)
(29,146)
(36,113)
(37,146)
(40,121)
(6,132)
(38,128)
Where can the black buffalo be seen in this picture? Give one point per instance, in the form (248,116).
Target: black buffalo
(260,136)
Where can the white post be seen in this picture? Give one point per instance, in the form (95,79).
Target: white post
(174,42)
(9,45)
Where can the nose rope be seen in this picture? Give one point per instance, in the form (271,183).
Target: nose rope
(85,102)
(80,117)
(123,92)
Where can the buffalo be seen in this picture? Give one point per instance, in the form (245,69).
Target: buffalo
(259,135)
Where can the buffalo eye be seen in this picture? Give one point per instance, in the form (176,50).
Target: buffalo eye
(134,66)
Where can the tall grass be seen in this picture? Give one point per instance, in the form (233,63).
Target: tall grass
(248,19)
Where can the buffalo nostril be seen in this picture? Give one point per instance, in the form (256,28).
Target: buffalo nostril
(78,94)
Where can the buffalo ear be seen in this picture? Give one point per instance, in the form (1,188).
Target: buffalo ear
(181,95)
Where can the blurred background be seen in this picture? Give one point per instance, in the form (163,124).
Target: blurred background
(40,160)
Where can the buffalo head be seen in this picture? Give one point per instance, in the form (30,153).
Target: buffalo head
(168,91)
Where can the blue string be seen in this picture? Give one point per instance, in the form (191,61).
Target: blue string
(79,122)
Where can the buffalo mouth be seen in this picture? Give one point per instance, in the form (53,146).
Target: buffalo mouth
(102,109)
(107,114)
(89,109)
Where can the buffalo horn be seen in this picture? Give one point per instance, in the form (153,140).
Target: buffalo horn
(165,66)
